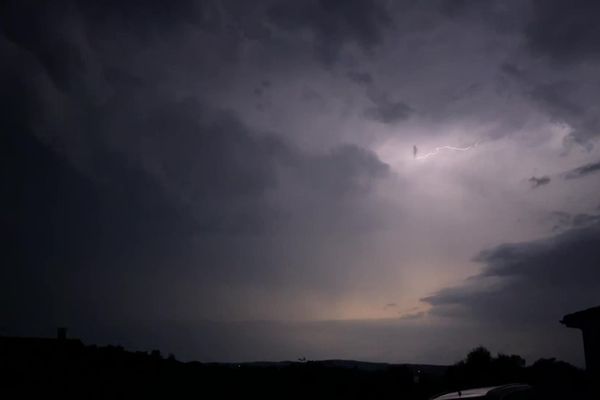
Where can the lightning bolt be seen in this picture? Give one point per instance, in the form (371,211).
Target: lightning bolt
(440,148)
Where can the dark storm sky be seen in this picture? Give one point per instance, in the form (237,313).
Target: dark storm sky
(244,180)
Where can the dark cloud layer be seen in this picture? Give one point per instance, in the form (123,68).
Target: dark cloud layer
(555,68)
(121,189)
(334,23)
(565,32)
(529,283)
(582,171)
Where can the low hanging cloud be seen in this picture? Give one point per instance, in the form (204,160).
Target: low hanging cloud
(521,284)
(583,171)
(564,220)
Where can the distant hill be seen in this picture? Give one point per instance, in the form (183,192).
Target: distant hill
(347,364)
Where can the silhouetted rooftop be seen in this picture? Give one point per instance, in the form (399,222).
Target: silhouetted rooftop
(582,318)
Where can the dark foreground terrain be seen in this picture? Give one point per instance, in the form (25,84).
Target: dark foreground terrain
(46,368)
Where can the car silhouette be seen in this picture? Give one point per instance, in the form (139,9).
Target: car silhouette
(504,392)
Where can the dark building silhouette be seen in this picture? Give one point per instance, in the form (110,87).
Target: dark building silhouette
(27,348)
(589,323)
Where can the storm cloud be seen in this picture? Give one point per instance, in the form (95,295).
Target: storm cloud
(230,175)
(582,171)
(565,33)
(530,284)
(334,23)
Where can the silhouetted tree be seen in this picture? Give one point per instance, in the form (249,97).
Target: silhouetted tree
(508,368)
(479,358)
(475,370)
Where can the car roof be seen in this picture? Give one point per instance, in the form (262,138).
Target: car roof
(483,391)
(465,394)
(506,389)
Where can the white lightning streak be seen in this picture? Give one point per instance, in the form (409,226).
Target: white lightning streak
(438,149)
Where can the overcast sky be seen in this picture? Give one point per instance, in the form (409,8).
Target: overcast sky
(264,180)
